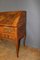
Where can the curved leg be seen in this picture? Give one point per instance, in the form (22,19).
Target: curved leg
(17,47)
(24,38)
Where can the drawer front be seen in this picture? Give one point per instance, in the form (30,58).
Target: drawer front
(8,33)
(8,36)
(9,30)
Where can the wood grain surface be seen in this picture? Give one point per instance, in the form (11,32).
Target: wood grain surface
(13,26)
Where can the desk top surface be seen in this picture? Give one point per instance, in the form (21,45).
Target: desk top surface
(8,18)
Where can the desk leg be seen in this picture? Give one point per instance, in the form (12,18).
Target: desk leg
(17,47)
(24,38)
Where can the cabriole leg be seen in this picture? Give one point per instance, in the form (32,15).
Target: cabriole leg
(17,47)
(24,39)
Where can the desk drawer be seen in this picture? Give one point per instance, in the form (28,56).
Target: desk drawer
(8,36)
(8,32)
(7,29)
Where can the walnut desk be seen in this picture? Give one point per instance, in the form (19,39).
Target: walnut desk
(13,26)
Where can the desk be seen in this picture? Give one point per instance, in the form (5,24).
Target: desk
(13,27)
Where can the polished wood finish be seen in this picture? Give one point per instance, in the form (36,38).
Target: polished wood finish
(13,26)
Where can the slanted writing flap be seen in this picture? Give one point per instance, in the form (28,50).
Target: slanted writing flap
(7,19)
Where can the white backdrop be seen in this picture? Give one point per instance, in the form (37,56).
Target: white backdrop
(33,17)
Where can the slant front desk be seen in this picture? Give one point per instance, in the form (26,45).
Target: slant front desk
(13,27)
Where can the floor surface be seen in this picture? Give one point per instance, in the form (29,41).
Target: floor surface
(8,52)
